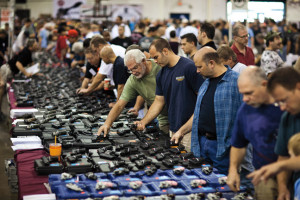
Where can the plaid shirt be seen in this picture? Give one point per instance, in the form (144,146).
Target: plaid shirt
(227,101)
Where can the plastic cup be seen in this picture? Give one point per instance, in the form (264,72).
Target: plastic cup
(55,149)
(106,83)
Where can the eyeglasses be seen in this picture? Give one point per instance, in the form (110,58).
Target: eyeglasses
(133,69)
(244,36)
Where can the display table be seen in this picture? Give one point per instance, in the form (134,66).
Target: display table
(29,182)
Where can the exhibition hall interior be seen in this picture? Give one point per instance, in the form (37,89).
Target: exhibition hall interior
(149,100)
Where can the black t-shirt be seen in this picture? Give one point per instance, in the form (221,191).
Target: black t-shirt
(124,42)
(207,122)
(136,36)
(91,70)
(23,57)
(120,74)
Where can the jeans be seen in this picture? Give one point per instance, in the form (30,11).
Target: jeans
(209,152)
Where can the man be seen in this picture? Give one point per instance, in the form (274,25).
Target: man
(240,36)
(141,82)
(138,33)
(270,59)
(256,123)
(176,87)
(44,34)
(206,34)
(228,57)
(217,103)
(121,40)
(106,70)
(92,66)
(284,86)
(189,44)
(120,74)
(146,41)
(15,65)
(114,30)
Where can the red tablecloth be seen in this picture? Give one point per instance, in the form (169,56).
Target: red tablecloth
(29,182)
(13,101)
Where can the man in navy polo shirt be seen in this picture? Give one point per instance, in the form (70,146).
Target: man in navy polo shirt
(257,123)
(176,86)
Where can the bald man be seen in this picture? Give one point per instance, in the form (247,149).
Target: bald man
(257,123)
(217,103)
(120,74)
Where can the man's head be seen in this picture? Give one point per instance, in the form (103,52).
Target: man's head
(207,60)
(72,36)
(284,86)
(92,56)
(206,33)
(227,55)
(107,54)
(136,62)
(27,22)
(121,30)
(77,48)
(32,44)
(294,145)
(240,34)
(188,43)
(97,43)
(119,20)
(160,51)
(273,40)
(252,84)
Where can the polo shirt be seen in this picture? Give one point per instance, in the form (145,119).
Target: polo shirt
(247,59)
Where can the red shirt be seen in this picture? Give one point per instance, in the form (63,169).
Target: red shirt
(60,44)
(247,59)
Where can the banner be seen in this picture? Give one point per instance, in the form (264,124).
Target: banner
(69,9)
(4,16)
(128,12)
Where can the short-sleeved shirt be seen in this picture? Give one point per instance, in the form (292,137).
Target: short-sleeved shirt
(270,61)
(23,57)
(247,59)
(239,67)
(144,87)
(179,86)
(258,126)
(120,74)
(61,44)
(91,70)
(107,69)
(124,42)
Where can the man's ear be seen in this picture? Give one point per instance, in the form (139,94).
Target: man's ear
(165,51)
(298,86)
(264,83)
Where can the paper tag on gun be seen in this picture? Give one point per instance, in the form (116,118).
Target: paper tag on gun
(33,69)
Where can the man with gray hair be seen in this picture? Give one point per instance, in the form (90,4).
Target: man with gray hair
(244,54)
(256,123)
(228,57)
(142,81)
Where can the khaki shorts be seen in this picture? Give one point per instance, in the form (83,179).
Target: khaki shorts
(5,73)
(186,140)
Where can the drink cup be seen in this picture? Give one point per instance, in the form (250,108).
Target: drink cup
(106,83)
(55,149)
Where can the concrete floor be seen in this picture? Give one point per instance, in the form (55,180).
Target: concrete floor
(6,152)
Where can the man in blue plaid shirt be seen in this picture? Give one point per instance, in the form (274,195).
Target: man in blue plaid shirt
(217,104)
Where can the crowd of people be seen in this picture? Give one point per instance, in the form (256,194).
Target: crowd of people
(233,103)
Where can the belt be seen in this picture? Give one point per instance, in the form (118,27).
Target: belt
(210,136)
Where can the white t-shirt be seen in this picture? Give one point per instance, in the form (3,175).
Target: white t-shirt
(107,69)
(189,29)
(239,67)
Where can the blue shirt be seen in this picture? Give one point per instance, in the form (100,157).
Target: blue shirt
(259,126)
(227,100)
(179,86)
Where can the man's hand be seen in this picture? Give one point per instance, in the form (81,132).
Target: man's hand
(103,129)
(233,181)
(140,125)
(177,137)
(134,111)
(264,173)
(84,91)
(28,75)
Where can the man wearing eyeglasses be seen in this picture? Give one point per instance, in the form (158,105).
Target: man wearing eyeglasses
(141,82)
(257,122)
(244,54)
(284,86)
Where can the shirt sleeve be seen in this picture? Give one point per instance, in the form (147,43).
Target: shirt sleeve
(282,141)
(159,90)
(238,139)
(193,77)
(129,93)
